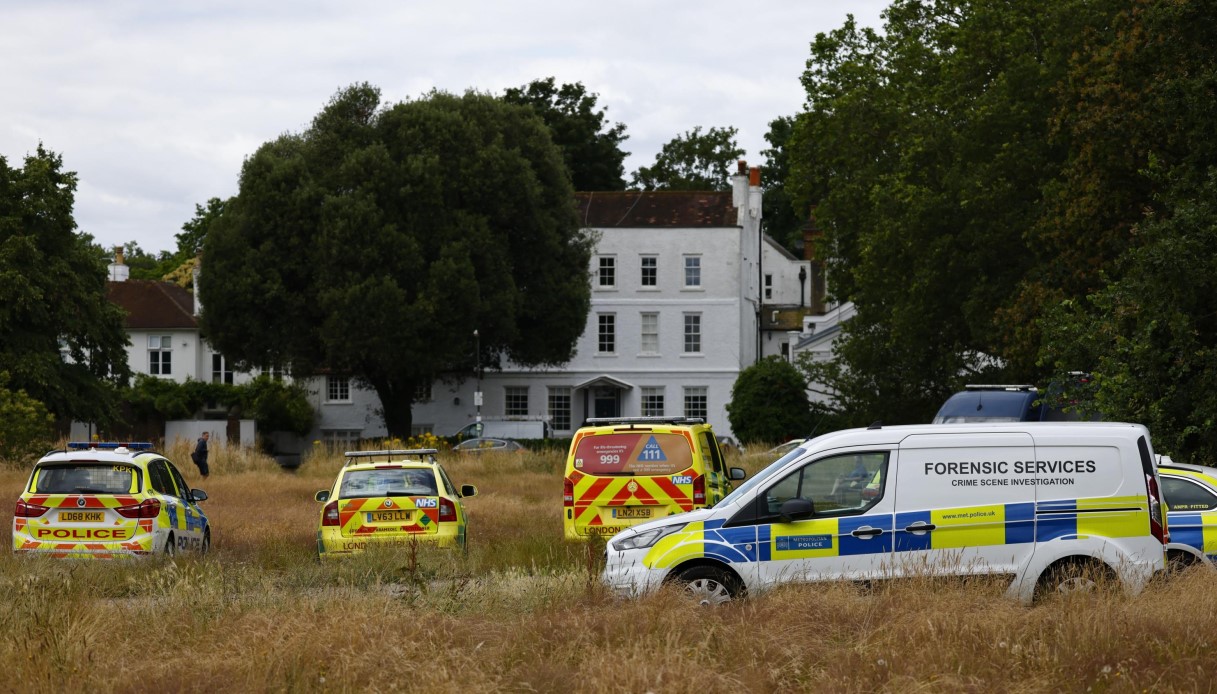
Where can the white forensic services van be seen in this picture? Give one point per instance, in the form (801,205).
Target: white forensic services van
(1055,506)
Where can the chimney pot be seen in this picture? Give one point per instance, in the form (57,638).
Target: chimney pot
(742,166)
(754,176)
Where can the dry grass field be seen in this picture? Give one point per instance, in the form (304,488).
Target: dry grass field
(522,611)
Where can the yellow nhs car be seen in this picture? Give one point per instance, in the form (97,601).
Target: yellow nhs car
(105,500)
(391,498)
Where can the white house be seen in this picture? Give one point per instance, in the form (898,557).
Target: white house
(686,293)
(680,305)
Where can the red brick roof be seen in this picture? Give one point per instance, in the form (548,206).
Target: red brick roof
(153,304)
(639,209)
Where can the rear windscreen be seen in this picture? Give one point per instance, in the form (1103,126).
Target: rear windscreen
(93,478)
(387,482)
(634,453)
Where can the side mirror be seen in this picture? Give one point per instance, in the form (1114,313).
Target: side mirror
(323,495)
(797,509)
(468,490)
(198,495)
(737,473)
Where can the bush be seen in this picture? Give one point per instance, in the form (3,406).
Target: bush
(769,402)
(26,428)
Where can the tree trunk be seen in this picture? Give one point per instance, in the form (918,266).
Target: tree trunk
(396,405)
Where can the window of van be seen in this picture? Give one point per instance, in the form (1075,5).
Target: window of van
(839,485)
(634,453)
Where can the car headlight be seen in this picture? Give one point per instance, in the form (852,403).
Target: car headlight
(646,538)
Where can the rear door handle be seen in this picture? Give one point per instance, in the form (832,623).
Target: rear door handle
(867,531)
(920,527)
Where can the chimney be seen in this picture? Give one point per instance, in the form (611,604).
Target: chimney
(739,186)
(119,272)
(754,192)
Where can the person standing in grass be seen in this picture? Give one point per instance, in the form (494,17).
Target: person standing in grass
(199,456)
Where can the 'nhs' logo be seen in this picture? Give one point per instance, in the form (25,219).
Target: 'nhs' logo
(682,479)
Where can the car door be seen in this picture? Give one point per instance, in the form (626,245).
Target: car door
(961,506)
(846,529)
(193,519)
(1191,511)
(718,484)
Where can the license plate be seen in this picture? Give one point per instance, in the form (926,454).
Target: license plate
(81,516)
(388,516)
(631,512)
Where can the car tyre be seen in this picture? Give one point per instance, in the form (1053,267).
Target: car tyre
(206,546)
(1071,578)
(170,546)
(710,585)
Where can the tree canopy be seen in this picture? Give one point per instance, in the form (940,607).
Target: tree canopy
(693,161)
(591,147)
(1011,192)
(375,242)
(61,340)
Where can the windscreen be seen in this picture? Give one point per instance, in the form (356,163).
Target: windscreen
(387,482)
(634,453)
(86,478)
(985,406)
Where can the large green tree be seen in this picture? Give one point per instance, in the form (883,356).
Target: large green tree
(926,149)
(61,340)
(375,242)
(1143,134)
(591,147)
(692,161)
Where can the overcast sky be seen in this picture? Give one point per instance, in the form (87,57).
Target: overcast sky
(155,104)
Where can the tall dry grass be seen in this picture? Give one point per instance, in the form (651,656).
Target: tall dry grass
(522,611)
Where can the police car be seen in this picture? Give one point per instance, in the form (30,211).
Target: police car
(391,498)
(107,500)
(1190,492)
(1053,506)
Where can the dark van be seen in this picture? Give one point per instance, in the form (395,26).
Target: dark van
(1000,403)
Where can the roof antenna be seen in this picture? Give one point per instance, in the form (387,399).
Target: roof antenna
(877,424)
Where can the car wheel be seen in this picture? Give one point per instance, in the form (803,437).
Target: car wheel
(710,585)
(170,546)
(1070,578)
(206,547)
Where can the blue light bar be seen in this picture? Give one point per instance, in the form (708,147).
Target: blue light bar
(109,445)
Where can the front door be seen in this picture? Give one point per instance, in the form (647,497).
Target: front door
(607,402)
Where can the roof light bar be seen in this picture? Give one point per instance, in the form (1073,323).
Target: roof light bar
(356,456)
(599,421)
(109,445)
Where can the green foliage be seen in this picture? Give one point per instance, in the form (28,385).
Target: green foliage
(769,402)
(1151,336)
(692,161)
(273,405)
(779,218)
(194,232)
(378,240)
(981,165)
(590,147)
(61,340)
(26,428)
(277,406)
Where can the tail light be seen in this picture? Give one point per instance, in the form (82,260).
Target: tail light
(1156,525)
(330,515)
(699,490)
(568,493)
(447,511)
(150,508)
(28,510)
